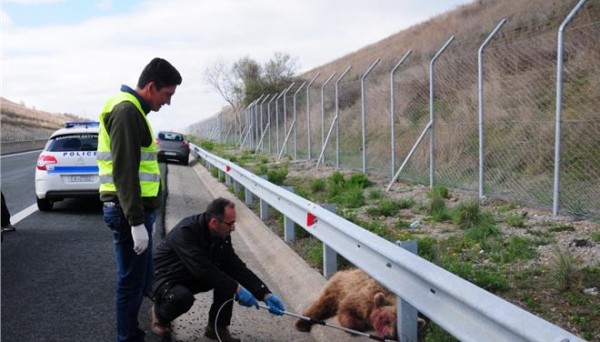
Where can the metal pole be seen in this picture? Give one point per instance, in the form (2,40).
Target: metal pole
(323,110)
(277,118)
(480,69)
(334,121)
(337,122)
(559,91)
(294,124)
(308,111)
(431,111)
(363,115)
(262,127)
(393,109)
(269,118)
(285,107)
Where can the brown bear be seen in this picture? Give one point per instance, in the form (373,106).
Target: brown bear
(359,302)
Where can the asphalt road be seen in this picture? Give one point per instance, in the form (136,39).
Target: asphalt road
(58,270)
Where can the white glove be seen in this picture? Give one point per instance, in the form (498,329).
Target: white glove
(140,238)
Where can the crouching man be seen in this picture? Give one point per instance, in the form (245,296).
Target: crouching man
(197,256)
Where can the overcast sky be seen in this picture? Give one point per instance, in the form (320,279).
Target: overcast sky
(68,56)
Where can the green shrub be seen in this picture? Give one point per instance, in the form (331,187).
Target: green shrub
(359,180)
(277,175)
(261,169)
(207,145)
(317,185)
(564,272)
(439,191)
(489,280)
(482,231)
(314,252)
(466,215)
(516,248)
(375,194)
(388,207)
(351,198)
(517,221)
(437,209)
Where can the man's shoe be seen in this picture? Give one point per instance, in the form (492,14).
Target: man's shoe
(223,332)
(9,228)
(158,328)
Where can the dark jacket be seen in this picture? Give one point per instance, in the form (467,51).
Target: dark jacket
(189,254)
(128,132)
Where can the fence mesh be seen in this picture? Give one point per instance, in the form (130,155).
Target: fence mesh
(519,121)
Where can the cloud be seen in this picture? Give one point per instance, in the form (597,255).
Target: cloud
(74,68)
(4,19)
(32,2)
(104,4)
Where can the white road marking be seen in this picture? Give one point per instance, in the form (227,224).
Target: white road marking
(14,219)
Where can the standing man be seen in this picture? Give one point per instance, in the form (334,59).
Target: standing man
(197,256)
(130,185)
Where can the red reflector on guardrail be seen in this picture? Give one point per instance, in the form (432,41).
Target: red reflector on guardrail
(227,168)
(310,219)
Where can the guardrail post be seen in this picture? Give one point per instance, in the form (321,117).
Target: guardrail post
(248,198)
(407,315)
(289,234)
(330,265)
(264,206)
(227,180)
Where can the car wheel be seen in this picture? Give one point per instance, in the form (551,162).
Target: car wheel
(44,204)
(185,161)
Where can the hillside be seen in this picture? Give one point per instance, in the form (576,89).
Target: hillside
(519,122)
(19,122)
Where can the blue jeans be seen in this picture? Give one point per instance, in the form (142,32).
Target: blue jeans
(134,272)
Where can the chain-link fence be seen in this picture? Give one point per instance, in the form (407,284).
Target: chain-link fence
(351,121)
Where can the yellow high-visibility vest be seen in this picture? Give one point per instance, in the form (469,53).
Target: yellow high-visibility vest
(149,172)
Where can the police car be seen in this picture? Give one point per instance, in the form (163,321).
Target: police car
(67,167)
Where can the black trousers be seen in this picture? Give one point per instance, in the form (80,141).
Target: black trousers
(176,299)
(5,213)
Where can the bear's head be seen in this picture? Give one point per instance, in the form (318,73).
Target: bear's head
(383,316)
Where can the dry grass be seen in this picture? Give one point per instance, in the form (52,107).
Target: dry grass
(21,123)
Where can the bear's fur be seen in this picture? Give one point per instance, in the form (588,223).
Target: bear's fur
(359,302)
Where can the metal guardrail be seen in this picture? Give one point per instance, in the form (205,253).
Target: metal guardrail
(464,310)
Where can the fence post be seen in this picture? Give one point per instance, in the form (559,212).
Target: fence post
(393,110)
(559,90)
(308,111)
(336,121)
(363,115)
(330,265)
(285,108)
(431,111)
(289,233)
(480,78)
(264,206)
(323,111)
(407,315)
(295,122)
(269,118)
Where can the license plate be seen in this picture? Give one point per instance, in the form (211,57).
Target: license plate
(81,179)
(170,154)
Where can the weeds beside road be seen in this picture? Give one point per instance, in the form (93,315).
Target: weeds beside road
(550,267)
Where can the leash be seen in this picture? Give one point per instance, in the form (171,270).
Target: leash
(322,322)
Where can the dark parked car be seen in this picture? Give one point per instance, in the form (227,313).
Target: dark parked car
(173,146)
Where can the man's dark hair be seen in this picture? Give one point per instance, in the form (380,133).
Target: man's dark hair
(161,72)
(216,208)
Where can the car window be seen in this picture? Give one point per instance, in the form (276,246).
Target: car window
(73,142)
(170,136)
